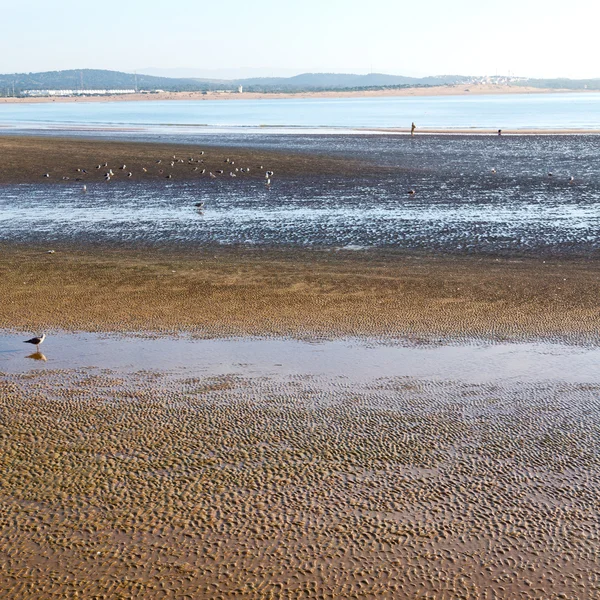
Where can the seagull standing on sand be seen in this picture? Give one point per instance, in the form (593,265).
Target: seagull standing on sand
(36,341)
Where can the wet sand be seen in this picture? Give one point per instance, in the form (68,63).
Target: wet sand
(302,293)
(142,485)
(138,482)
(27,159)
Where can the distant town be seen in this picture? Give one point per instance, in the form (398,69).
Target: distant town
(115,92)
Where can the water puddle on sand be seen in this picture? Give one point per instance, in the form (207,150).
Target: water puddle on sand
(359,360)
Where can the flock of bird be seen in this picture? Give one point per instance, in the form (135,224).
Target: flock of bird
(197,165)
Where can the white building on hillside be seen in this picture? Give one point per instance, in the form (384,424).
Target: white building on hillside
(45,93)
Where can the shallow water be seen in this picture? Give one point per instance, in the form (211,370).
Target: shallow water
(461,206)
(536,111)
(349,360)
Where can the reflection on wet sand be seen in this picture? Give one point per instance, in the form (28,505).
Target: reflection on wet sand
(37,356)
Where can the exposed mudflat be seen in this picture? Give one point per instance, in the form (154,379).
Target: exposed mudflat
(160,486)
(523,196)
(322,388)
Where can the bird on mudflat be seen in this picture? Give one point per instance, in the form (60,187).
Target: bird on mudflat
(36,341)
(411,192)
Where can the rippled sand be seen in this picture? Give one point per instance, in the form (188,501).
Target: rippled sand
(140,485)
(224,292)
(120,483)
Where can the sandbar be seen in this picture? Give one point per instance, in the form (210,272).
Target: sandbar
(442,90)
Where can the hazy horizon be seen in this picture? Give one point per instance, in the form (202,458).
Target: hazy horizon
(533,39)
(240,73)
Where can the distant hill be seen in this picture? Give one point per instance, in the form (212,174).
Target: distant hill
(309,81)
(76,79)
(96,79)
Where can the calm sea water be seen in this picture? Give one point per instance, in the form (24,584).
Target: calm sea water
(527,111)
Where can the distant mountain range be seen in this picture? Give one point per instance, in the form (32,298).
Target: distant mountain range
(347,81)
(16,83)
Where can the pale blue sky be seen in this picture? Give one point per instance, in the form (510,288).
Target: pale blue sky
(538,38)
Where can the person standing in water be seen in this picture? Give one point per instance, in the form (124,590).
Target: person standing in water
(412,129)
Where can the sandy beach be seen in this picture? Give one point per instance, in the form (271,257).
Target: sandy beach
(445,90)
(268,480)
(229,292)
(149,485)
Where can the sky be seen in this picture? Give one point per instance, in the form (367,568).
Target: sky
(530,38)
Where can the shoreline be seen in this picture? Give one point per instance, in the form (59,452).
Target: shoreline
(62,131)
(449,90)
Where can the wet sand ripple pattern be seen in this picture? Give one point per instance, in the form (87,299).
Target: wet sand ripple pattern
(143,486)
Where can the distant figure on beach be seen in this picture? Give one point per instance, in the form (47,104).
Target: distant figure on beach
(499,131)
(412,129)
